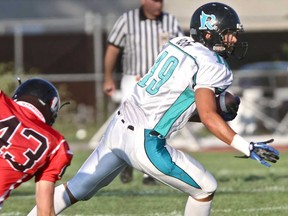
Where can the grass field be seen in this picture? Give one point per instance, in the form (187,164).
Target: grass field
(244,188)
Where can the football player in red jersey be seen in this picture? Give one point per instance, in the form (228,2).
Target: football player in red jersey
(29,146)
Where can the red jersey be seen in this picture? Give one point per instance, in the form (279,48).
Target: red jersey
(28,146)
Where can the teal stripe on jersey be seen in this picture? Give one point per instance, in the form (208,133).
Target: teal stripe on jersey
(181,50)
(183,102)
(161,159)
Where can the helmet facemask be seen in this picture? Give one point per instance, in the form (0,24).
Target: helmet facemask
(54,108)
(222,44)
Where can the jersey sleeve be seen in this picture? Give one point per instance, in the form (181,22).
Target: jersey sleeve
(119,31)
(55,167)
(213,76)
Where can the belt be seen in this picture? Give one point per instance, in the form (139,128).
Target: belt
(155,133)
(130,127)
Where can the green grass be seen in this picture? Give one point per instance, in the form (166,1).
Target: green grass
(244,188)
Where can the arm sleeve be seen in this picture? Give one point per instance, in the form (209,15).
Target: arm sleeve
(55,167)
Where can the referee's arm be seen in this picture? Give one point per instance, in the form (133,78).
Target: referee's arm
(110,59)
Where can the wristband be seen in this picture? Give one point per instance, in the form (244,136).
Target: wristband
(241,145)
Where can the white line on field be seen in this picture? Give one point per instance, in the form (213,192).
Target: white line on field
(258,190)
(141,193)
(175,213)
(12,214)
(266,209)
(156,214)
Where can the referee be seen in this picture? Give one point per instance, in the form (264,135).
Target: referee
(139,35)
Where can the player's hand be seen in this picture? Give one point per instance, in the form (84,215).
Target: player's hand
(262,152)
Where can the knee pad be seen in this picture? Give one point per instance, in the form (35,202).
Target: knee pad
(208,186)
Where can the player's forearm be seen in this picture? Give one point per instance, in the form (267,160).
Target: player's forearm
(44,198)
(224,132)
(216,125)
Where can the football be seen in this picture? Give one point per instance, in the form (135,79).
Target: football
(227,105)
(227,102)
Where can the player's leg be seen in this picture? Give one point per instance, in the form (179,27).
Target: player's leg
(201,186)
(99,170)
(178,170)
(127,84)
(198,207)
(101,167)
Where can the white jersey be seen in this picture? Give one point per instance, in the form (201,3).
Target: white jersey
(168,88)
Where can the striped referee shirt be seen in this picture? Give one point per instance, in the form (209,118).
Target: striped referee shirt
(142,39)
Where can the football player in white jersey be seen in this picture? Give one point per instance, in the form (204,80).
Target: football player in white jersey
(181,84)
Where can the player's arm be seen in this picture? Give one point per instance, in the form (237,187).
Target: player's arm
(110,59)
(44,198)
(227,106)
(207,111)
(46,177)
